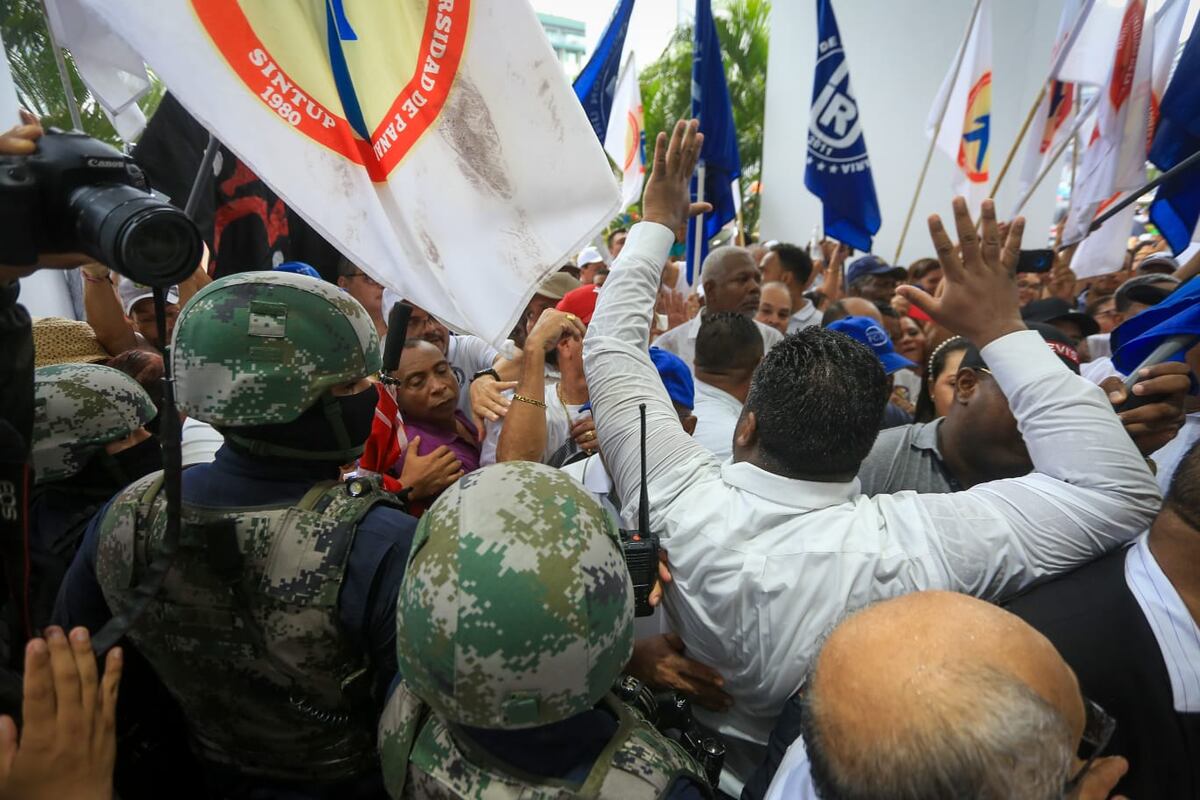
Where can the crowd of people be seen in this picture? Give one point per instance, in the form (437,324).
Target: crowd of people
(911,528)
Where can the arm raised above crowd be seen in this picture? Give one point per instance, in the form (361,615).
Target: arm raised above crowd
(1090,489)
(620,375)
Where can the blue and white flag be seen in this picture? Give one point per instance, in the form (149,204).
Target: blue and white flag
(719,157)
(838,170)
(597,83)
(1176,207)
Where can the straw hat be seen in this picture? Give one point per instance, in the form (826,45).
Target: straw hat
(65,341)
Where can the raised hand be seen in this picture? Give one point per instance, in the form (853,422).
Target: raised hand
(979,292)
(668,197)
(551,328)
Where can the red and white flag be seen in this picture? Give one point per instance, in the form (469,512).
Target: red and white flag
(966,126)
(624,138)
(436,143)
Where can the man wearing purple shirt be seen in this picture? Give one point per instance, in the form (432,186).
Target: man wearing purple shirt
(427,393)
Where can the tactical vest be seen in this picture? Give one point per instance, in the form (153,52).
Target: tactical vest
(245,631)
(423,760)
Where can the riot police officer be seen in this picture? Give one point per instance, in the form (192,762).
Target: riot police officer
(514,620)
(89,442)
(275,626)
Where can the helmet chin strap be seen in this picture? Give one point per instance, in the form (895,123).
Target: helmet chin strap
(333,415)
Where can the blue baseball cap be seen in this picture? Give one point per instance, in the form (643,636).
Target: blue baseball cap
(870,333)
(872,265)
(676,377)
(298,268)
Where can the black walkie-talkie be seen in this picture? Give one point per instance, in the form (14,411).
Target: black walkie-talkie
(641,546)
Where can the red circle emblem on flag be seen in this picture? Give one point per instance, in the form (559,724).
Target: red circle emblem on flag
(974,146)
(365,82)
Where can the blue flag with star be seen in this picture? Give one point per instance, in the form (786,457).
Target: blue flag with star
(838,170)
(597,82)
(719,153)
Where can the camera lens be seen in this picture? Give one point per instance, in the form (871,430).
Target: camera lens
(136,234)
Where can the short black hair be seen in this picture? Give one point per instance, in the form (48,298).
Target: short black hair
(728,342)
(818,397)
(608,240)
(346,268)
(795,260)
(922,267)
(1183,495)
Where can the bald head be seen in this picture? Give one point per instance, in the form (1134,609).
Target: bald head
(731,281)
(937,694)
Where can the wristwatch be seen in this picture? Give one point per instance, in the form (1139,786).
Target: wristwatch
(482,372)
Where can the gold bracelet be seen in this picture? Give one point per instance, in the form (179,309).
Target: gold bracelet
(523,399)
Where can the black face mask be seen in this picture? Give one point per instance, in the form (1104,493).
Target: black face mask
(333,429)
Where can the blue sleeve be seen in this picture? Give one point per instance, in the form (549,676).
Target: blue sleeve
(687,789)
(80,600)
(375,567)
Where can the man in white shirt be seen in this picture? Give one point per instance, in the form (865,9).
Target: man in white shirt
(731,283)
(769,550)
(728,349)
(792,267)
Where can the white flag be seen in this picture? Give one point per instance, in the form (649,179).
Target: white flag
(966,126)
(624,138)
(1090,58)
(1115,159)
(448,158)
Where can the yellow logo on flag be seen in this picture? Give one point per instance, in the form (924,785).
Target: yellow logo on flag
(974,147)
(365,84)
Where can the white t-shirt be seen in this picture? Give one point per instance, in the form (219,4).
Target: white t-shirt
(467,355)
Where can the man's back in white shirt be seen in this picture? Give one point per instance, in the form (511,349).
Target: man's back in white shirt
(764,564)
(682,340)
(717,413)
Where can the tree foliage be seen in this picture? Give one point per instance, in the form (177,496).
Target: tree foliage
(35,73)
(742,28)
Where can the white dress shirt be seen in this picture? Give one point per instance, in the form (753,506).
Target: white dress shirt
(1174,627)
(559,418)
(764,565)
(717,413)
(682,340)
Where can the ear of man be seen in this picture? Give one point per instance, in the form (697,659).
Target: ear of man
(965,384)
(746,432)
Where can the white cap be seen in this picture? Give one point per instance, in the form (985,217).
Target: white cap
(589,255)
(132,292)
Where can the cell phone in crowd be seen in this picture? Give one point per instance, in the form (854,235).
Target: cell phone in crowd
(1035,261)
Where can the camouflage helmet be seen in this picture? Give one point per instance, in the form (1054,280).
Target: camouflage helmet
(516,608)
(258,348)
(79,408)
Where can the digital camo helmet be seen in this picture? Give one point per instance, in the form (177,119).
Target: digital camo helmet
(516,608)
(79,408)
(258,348)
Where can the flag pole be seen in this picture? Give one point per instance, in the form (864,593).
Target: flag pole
(1060,57)
(1139,192)
(1079,118)
(699,237)
(1075,142)
(962,52)
(1012,152)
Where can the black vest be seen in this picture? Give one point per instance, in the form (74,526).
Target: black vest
(1097,625)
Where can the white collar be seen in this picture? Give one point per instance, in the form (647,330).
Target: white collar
(806,495)
(1176,632)
(718,394)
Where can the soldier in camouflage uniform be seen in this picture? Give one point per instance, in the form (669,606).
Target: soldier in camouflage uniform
(89,442)
(513,622)
(275,627)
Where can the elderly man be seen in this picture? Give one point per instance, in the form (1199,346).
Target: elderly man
(789,504)
(775,306)
(731,283)
(936,694)
(872,278)
(791,266)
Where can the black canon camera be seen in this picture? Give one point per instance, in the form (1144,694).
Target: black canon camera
(640,546)
(77,194)
(671,714)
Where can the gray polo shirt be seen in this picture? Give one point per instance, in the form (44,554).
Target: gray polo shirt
(906,458)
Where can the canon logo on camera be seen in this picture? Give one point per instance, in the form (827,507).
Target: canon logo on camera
(106,163)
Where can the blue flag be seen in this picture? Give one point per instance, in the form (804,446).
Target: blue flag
(838,170)
(596,83)
(719,155)
(1137,337)
(1176,207)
